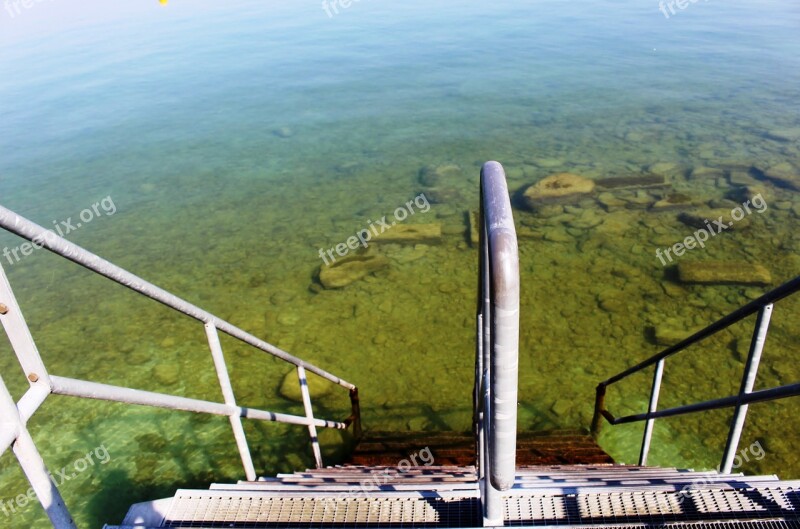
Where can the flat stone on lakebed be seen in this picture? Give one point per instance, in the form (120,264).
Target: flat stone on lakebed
(350,269)
(411,233)
(556,188)
(720,272)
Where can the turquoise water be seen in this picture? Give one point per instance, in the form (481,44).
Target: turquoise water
(236,142)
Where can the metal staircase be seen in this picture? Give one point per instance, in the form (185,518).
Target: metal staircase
(449,496)
(490,477)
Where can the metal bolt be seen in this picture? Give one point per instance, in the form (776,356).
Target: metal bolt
(3,308)
(33,377)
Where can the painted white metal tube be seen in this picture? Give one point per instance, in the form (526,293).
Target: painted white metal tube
(32,400)
(655,391)
(8,434)
(94,390)
(48,239)
(31,461)
(312,430)
(9,419)
(39,477)
(748,383)
(504,369)
(19,335)
(230,399)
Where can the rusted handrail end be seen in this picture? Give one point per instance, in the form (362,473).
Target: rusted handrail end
(355,417)
(599,409)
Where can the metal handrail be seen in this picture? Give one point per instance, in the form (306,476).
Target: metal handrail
(14,416)
(763,306)
(497,344)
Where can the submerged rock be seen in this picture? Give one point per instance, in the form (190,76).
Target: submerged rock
(749,192)
(705,218)
(617,223)
(784,175)
(668,335)
(290,386)
(556,188)
(723,272)
(435,175)
(587,219)
(473,226)
(790,134)
(638,199)
(741,178)
(632,182)
(667,169)
(561,407)
(699,173)
(166,374)
(407,254)
(411,233)
(445,195)
(350,269)
(673,201)
(281,296)
(610,202)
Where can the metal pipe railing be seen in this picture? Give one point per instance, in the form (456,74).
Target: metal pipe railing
(771,297)
(14,416)
(497,351)
(763,306)
(761,395)
(41,237)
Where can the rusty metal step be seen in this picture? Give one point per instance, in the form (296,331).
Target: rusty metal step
(454,448)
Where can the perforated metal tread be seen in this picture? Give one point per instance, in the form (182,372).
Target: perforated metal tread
(209,509)
(653,508)
(744,524)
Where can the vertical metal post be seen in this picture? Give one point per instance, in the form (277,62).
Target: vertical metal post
(748,382)
(493,513)
(32,464)
(491,498)
(648,425)
(230,400)
(312,430)
(492,504)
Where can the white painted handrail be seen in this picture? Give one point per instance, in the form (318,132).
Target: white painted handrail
(497,358)
(14,416)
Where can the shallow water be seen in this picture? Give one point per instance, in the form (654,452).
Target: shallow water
(237,142)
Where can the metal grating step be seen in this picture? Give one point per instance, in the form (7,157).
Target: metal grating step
(210,509)
(344,488)
(637,508)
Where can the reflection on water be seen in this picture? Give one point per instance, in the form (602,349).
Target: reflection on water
(235,151)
